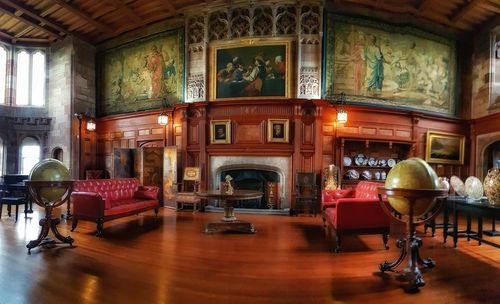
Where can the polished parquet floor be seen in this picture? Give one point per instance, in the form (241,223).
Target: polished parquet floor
(288,260)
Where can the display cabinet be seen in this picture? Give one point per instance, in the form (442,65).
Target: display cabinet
(362,159)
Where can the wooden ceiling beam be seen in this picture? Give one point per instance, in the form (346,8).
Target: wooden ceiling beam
(127,10)
(493,7)
(423,5)
(464,10)
(166,4)
(36,15)
(99,25)
(8,11)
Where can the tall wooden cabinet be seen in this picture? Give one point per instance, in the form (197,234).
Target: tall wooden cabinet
(363,159)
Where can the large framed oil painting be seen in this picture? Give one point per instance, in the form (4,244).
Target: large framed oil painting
(388,65)
(138,75)
(445,148)
(250,69)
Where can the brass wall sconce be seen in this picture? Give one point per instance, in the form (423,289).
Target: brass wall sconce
(338,101)
(163,117)
(91,124)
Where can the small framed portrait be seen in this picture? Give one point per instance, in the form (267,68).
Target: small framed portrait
(220,132)
(277,130)
(445,148)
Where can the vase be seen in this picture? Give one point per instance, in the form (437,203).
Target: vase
(443,183)
(492,186)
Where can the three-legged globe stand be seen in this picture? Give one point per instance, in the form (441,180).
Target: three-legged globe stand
(411,244)
(37,190)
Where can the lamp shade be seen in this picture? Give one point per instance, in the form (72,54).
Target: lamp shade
(341,115)
(163,119)
(91,125)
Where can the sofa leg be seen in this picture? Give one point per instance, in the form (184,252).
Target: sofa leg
(157,209)
(74,223)
(385,238)
(337,240)
(100,226)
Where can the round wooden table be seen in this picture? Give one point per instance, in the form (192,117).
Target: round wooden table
(229,221)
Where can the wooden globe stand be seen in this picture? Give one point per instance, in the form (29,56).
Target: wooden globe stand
(49,222)
(412,242)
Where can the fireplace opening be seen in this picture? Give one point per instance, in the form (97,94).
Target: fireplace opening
(254,179)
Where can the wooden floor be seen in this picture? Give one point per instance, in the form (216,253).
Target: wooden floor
(288,260)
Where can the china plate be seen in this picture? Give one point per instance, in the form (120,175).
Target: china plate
(458,185)
(473,188)
(391,162)
(372,162)
(382,162)
(366,174)
(352,174)
(347,161)
(359,161)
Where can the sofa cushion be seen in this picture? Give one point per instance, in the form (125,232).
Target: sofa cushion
(112,189)
(145,194)
(329,197)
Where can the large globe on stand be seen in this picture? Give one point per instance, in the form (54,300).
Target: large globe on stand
(413,173)
(50,170)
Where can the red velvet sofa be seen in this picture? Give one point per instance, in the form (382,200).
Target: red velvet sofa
(106,199)
(357,212)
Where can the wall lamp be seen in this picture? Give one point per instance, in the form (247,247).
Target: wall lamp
(163,117)
(338,100)
(91,125)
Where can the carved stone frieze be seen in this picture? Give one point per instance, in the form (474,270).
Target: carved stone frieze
(196,87)
(309,82)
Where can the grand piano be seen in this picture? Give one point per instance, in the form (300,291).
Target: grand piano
(13,185)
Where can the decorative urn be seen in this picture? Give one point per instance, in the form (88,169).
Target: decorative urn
(413,173)
(50,170)
(492,186)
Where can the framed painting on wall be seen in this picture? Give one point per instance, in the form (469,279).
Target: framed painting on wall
(250,69)
(220,132)
(277,130)
(445,148)
(398,66)
(136,76)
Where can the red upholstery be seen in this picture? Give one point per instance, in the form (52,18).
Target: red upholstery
(106,199)
(359,214)
(330,197)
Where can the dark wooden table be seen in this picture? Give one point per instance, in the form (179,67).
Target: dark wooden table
(229,222)
(470,208)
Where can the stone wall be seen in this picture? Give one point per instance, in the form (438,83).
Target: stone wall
(485,93)
(71,90)
(60,96)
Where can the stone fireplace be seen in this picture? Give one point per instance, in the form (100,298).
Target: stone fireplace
(252,173)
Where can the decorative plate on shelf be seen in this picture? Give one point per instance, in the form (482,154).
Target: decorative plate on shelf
(372,162)
(458,185)
(473,188)
(366,174)
(347,160)
(382,162)
(358,161)
(352,174)
(391,162)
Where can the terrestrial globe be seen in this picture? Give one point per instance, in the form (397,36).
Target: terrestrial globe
(413,173)
(50,170)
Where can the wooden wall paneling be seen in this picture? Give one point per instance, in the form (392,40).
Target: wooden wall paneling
(249,131)
(318,142)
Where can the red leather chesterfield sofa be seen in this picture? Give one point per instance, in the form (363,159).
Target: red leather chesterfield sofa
(102,200)
(360,213)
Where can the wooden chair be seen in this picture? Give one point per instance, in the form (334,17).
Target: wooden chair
(306,192)
(189,185)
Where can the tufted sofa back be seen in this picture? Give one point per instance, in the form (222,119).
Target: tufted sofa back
(367,190)
(109,189)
